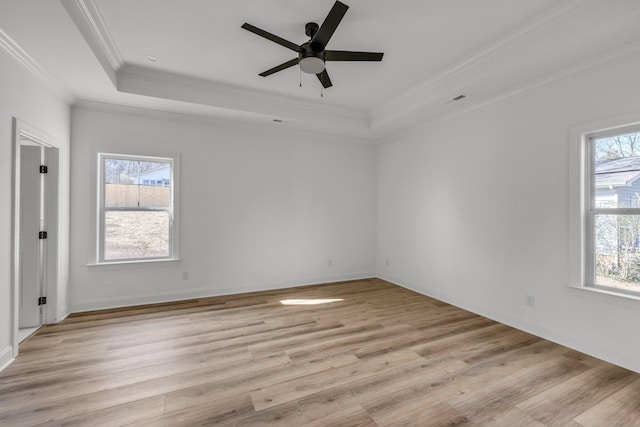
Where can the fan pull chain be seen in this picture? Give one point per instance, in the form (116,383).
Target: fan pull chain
(322,88)
(300,69)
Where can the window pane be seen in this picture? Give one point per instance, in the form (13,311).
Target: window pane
(136,234)
(617,251)
(617,171)
(133,184)
(120,195)
(153,196)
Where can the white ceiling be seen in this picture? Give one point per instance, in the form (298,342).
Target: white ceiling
(208,66)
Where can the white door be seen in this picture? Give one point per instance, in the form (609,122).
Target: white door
(30,244)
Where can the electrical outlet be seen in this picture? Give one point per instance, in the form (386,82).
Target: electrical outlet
(386,262)
(185,275)
(330,263)
(530,300)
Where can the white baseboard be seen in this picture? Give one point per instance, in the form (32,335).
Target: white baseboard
(6,357)
(592,348)
(111,302)
(63,315)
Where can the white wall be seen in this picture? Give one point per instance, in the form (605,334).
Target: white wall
(474,210)
(260,208)
(23,96)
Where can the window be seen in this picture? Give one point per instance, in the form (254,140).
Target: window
(612,211)
(136,215)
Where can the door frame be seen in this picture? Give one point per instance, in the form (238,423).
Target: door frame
(23,131)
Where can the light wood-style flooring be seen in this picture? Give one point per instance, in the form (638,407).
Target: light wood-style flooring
(358,353)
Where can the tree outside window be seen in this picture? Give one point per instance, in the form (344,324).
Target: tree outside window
(615,211)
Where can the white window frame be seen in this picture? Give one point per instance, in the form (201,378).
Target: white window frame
(173,254)
(582,209)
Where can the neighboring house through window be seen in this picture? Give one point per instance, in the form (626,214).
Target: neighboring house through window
(612,211)
(136,208)
(159,175)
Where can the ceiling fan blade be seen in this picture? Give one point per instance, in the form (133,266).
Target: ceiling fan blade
(324,79)
(280,67)
(345,55)
(262,33)
(329,26)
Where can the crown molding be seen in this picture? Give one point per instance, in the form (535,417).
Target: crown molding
(624,53)
(627,52)
(150,82)
(258,123)
(421,95)
(26,61)
(86,15)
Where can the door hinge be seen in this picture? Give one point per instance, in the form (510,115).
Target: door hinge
(44,169)
(42,235)
(42,300)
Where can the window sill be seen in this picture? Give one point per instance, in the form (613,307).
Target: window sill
(609,296)
(132,263)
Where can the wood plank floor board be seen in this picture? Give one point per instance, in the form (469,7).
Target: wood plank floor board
(212,413)
(576,395)
(292,342)
(354,416)
(49,389)
(377,355)
(436,415)
(585,359)
(129,338)
(396,404)
(422,336)
(472,347)
(355,393)
(514,417)
(114,416)
(351,342)
(483,404)
(621,409)
(359,312)
(294,389)
(29,376)
(456,343)
(249,381)
(74,405)
(285,415)
(117,318)
(475,378)
(108,335)
(133,357)
(220,341)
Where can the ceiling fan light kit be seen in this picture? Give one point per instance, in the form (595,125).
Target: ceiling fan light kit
(312,65)
(313,55)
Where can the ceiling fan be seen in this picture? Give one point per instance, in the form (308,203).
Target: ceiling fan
(313,54)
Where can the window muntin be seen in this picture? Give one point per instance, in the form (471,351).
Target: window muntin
(135,213)
(613,212)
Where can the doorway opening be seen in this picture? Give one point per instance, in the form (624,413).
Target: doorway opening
(35,237)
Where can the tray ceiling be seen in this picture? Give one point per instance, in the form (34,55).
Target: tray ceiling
(207,65)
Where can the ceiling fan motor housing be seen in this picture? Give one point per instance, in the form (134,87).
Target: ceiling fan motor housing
(311,29)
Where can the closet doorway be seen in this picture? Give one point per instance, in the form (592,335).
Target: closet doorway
(34,229)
